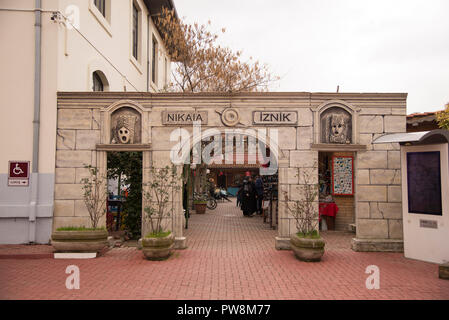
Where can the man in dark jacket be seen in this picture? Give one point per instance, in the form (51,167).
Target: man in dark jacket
(239,196)
(259,194)
(248,197)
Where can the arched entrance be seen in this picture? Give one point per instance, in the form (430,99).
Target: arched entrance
(230,157)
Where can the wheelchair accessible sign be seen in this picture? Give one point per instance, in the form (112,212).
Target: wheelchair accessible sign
(19,174)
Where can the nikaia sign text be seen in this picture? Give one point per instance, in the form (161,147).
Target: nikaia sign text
(183,117)
(275,117)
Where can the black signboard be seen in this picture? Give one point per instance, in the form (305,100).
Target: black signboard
(424,182)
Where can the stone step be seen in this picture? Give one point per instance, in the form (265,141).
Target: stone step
(351,227)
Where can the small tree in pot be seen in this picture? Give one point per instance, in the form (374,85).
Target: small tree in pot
(81,238)
(307,244)
(158,243)
(200,202)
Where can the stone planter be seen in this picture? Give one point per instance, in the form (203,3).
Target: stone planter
(309,250)
(79,241)
(200,208)
(158,248)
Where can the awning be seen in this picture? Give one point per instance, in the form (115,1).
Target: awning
(416,138)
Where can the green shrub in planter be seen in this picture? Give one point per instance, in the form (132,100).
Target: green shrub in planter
(307,247)
(158,244)
(79,239)
(86,239)
(307,244)
(200,206)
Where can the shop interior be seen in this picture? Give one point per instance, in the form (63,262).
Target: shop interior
(336,190)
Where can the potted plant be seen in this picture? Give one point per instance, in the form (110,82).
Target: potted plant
(81,238)
(307,243)
(158,243)
(200,203)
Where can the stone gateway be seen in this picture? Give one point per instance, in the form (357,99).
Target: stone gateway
(312,129)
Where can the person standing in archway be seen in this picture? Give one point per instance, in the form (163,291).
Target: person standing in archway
(259,194)
(248,197)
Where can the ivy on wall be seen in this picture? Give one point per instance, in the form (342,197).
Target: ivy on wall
(127,168)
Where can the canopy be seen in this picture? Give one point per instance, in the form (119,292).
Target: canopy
(415,138)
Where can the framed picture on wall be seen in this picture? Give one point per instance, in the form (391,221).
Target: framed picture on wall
(343,175)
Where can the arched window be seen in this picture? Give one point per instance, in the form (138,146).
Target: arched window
(101,6)
(97,82)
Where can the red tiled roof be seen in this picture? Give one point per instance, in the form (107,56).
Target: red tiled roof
(423,114)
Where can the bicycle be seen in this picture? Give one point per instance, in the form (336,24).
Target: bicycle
(211,201)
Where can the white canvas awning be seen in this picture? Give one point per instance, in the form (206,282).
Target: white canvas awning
(424,137)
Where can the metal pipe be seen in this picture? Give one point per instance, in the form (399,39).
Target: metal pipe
(148,51)
(37,84)
(36,121)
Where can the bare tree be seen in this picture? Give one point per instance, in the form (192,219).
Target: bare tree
(158,206)
(94,195)
(304,211)
(204,66)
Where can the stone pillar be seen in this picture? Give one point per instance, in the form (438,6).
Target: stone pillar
(178,215)
(291,182)
(77,136)
(378,187)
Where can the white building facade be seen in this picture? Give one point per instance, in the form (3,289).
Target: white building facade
(59,45)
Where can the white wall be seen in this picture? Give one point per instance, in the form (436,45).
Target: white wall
(69,58)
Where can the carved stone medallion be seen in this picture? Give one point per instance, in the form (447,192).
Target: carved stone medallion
(230,117)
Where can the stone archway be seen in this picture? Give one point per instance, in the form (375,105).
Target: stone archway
(84,136)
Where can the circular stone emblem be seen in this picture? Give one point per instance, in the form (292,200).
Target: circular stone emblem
(230,117)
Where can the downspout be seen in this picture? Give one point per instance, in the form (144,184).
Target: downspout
(148,51)
(36,120)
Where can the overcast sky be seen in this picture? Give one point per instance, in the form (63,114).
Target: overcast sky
(361,45)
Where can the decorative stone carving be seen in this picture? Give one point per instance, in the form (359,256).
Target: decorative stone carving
(126,126)
(336,126)
(230,117)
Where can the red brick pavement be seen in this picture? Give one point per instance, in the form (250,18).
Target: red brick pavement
(229,257)
(25,251)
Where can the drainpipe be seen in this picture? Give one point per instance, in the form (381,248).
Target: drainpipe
(36,120)
(148,51)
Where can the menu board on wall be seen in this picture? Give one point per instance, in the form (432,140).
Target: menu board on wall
(342,175)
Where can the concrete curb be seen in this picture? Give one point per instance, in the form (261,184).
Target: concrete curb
(27,256)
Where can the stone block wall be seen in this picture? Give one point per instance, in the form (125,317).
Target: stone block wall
(84,122)
(378,182)
(77,135)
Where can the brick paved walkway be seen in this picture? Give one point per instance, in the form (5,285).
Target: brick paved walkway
(229,257)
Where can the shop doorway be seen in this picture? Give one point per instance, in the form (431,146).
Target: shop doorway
(336,190)
(124,209)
